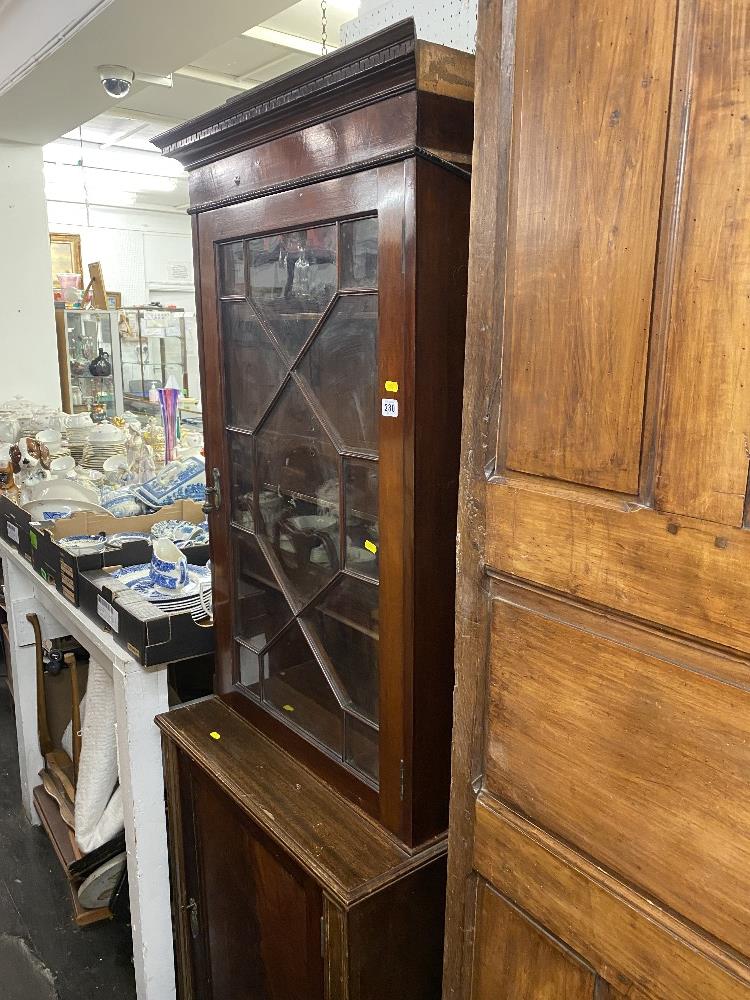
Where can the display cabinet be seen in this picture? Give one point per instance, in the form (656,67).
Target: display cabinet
(81,334)
(330,214)
(152,348)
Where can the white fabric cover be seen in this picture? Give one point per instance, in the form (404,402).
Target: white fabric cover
(98,806)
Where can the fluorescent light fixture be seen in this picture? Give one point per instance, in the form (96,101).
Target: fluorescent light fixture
(296,43)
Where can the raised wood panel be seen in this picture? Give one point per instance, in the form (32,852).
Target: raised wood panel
(705,444)
(512,958)
(631,943)
(663,569)
(637,760)
(589,132)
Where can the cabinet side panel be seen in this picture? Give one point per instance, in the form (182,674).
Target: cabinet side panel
(589,136)
(396,938)
(442,258)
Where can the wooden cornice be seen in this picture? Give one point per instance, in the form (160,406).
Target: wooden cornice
(379,65)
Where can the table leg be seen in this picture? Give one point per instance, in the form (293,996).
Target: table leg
(139,696)
(19,596)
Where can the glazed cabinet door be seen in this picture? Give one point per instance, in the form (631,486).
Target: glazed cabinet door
(600,804)
(252,917)
(299,293)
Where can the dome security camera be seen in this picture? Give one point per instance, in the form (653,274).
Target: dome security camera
(116,80)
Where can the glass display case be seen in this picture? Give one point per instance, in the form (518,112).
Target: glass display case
(300,369)
(152,348)
(85,336)
(332,290)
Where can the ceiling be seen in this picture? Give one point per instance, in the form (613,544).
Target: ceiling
(110,139)
(212,58)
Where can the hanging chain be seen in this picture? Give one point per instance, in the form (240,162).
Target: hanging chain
(324,26)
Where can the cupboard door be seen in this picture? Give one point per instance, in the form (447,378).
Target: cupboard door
(299,342)
(257,922)
(602,717)
(298,322)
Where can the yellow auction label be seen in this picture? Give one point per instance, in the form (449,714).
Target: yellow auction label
(371,546)
(391,386)
(288,708)
(214,735)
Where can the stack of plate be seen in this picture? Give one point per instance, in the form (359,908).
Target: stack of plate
(77,439)
(102,443)
(185,600)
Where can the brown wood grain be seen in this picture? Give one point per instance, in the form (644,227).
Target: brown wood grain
(513,958)
(396,938)
(250,886)
(445,71)
(589,130)
(637,760)
(485,304)
(336,947)
(335,145)
(349,853)
(684,574)
(636,946)
(705,427)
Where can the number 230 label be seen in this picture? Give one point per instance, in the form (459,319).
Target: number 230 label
(389,407)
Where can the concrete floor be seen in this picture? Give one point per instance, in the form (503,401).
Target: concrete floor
(43,954)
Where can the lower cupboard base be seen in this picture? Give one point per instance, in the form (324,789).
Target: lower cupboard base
(281,889)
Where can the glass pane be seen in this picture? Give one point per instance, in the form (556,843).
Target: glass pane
(345,624)
(362,534)
(261,609)
(292,280)
(232,268)
(241,461)
(359,253)
(341,368)
(253,369)
(362,747)
(295,685)
(298,493)
(249,663)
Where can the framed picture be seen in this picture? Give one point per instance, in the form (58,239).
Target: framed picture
(114,300)
(65,250)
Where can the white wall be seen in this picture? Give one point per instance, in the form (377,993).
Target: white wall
(447,22)
(28,342)
(145,255)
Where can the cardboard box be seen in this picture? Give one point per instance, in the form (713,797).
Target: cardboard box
(145,631)
(14,523)
(62,568)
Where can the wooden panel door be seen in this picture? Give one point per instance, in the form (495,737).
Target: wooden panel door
(600,806)
(255,929)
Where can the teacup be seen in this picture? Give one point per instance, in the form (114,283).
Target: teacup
(168,565)
(52,438)
(60,467)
